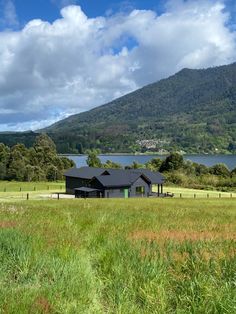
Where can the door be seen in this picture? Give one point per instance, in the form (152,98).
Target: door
(126,193)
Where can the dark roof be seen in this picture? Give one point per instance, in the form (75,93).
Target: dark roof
(85,189)
(84,172)
(154,177)
(115,177)
(118,178)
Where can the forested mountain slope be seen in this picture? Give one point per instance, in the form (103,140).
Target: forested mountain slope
(193,110)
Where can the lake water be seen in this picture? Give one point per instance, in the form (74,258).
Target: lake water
(124,160)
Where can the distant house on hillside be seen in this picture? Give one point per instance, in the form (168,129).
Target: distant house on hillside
(107,183)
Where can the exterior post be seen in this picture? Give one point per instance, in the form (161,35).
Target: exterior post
(161,188)
(158,190)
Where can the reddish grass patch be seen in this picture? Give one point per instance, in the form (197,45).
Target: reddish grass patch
(43,305)
(181,236)
(7,224)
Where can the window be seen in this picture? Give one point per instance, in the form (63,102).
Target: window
(140,190)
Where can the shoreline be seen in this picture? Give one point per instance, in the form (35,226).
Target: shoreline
(153,154)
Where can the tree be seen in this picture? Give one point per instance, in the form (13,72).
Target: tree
(154,164)
(52,173)
(233,172)
(201,169)
(93,159)
(4,153)
(220,170)
(112,165)
(16,167)
(16,170)
(37,163)
(67,163)
(45,142)
(3,171)
(174,161)
(4,159)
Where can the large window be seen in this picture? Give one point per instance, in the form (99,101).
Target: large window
(140,190)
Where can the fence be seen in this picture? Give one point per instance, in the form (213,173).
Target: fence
(32,188)
(205,195)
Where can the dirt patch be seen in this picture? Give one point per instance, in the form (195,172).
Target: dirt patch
(7,224)
(181,236)
(43,306)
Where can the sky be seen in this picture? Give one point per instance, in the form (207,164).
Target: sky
(61,57)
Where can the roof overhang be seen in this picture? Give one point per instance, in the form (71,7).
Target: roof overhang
(85,189)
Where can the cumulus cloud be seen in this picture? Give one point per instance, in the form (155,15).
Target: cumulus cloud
(49,71)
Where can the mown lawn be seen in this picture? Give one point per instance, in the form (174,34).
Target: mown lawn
(118,256)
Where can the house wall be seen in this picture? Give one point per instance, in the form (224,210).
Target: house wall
(137,183)
(118,192)
(72,183)
(115,192)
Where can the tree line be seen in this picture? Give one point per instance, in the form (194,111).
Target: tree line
(37,163)
(179,172)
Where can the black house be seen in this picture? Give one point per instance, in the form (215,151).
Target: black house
(105,183)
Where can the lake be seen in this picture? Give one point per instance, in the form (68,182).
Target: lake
(124,160)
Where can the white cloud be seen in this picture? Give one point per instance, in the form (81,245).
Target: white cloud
(48,71)
(9,17)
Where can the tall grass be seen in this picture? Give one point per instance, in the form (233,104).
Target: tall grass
(118,256)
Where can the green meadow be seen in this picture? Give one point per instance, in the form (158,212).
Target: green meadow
(118,256)
(13,191)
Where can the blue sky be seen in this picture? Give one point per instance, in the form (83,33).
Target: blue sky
(50,9)
(61,57)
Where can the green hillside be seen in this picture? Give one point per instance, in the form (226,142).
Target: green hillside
(194,111)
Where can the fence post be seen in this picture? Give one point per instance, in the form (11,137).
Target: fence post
(180,195)
(27,196)
(58,196)
(207,195)
(20,189)
(231,195)
(219,195)
(34,188)
(194,195)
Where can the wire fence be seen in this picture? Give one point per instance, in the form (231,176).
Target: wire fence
(205,195)
(32,188)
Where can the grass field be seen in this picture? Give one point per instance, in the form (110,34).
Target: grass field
(17,191)
(194,193)
(43,190)
(13,186)
(118,256)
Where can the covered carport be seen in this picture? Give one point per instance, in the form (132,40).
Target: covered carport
(85,192)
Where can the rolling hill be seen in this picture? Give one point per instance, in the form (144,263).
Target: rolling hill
(193,110)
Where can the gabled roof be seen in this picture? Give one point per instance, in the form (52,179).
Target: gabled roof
(84,172)
(118,178)
(154,177)
(115,177)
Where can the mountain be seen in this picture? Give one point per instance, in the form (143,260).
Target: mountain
(193,111)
